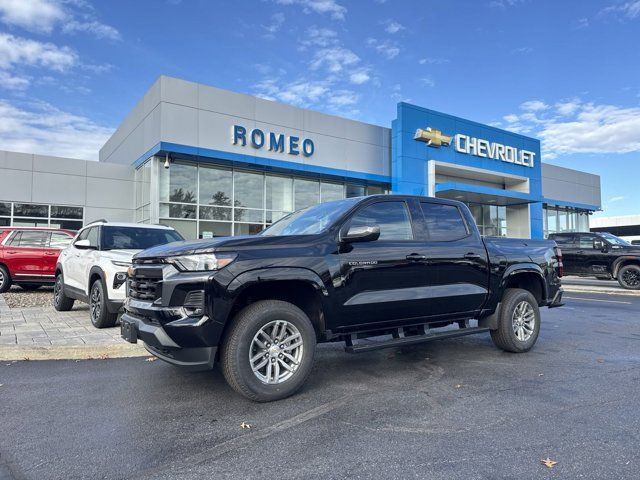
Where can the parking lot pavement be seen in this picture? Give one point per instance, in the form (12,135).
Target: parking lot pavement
(453,409)
(44,333)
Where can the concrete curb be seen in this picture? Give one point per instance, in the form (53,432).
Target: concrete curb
(604,291)
(71,352)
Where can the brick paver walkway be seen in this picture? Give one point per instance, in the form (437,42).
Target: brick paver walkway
(44,326)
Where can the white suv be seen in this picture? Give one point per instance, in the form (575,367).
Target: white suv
(93,269)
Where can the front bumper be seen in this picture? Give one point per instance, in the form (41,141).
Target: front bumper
(159,343)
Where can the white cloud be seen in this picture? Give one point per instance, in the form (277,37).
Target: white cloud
(385,48)
(334,59)
(35,15)
(99,30)
(393,26)
(22,51)
(331,7)
(277,20)
(433,61)
(616,199)
(574,126)
(42,128)
(630,10)
(522,50)
(11,82)
(343,98)
(583,23)
(427,82)
(321,37)
(534,106)
(43,16)
(504,3)
(359,77)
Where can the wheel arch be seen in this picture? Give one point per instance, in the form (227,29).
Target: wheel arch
(528,277)
(298,286)
(622,262)
(94,274)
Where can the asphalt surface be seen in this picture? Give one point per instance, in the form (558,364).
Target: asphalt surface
(453,409)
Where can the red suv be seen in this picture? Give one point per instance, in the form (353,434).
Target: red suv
(28,256)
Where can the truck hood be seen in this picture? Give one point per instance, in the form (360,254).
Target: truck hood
(225,244)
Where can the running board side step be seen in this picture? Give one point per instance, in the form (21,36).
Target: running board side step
(399,340)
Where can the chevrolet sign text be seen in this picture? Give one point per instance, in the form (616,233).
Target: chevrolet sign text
(496,151)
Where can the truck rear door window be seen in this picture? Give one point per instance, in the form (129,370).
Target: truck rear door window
(444,222)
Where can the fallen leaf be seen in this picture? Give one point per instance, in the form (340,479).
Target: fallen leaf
(600,360)
(458,386)
(245,425)
(104,356)
(26,359)
(541,374)
(547,462)
(1,384)
(151,359)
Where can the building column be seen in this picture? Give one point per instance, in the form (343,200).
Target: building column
(537,220)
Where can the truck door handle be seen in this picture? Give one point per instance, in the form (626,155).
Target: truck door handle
(472,256)
(416,257)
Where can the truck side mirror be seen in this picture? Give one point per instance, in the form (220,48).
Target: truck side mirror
(600,245)
(365,233)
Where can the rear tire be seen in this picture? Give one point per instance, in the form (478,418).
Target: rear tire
(29,287)
(629,277)
(281,339)
(98,312)
(5,279)
(60,301)
(518,321)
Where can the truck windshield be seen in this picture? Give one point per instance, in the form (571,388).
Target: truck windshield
(136,238)
(614,240)
(311,220)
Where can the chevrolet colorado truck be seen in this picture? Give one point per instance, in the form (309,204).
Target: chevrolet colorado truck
(601,255)
(404,269)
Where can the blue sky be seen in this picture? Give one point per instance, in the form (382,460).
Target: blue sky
(566,72)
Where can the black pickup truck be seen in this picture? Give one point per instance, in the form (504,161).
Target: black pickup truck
(601,255)
(402,268)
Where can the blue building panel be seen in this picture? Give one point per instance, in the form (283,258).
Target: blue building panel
(410,157)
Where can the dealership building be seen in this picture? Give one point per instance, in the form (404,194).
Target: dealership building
(211,162)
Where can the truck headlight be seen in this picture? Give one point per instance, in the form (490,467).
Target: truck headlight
(118,263)
(201,262)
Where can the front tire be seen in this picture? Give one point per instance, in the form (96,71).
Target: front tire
(629,277)
(61,302)
(98,312)
(268,352)
(5,279)
(518,322)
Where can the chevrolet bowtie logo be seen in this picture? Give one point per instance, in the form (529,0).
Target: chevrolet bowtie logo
(432,137)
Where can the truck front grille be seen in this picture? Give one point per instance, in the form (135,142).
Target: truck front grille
(145,282)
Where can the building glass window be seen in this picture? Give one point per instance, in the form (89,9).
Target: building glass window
(564,219)
(331,191)
(5,209)
(40,215)
(491,219)
(306,193)
(216,187)
(206,201)
(355,191)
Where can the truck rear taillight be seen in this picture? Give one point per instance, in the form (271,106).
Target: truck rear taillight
(559,258)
